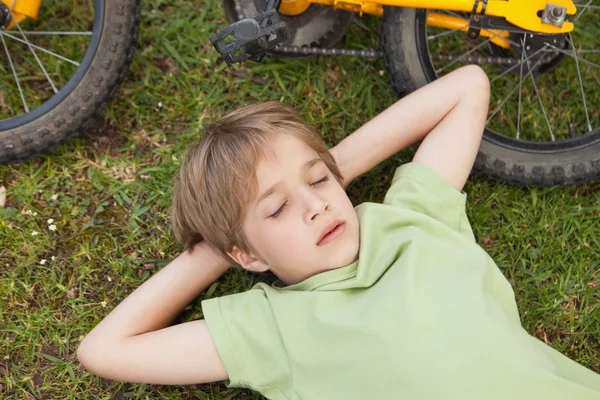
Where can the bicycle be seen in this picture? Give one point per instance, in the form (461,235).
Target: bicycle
(537,53)
(64,60)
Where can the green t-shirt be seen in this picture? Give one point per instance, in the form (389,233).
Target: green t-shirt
(423,314)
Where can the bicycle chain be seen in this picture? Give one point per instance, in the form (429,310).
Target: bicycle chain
(371,53)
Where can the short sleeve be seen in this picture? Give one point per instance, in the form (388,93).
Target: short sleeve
(420,188)
(247,338)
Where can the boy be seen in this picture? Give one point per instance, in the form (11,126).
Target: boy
(421,312)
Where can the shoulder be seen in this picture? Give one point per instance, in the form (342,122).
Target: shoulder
(248,339)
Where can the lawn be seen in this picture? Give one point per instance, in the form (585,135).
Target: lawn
(108,195)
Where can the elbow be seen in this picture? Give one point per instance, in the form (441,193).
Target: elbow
(479,82)
(92,356)
(85,354)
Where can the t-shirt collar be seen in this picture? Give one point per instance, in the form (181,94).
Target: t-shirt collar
(319,280)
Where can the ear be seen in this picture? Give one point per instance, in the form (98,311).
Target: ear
(248,261)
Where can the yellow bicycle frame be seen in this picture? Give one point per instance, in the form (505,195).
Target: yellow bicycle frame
(521,13)
(22,9)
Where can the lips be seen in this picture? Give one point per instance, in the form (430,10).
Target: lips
(329,228)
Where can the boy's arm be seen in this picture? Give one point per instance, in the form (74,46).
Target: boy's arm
(134,343)
(448,115)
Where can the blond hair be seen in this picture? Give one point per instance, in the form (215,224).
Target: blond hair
(217,178)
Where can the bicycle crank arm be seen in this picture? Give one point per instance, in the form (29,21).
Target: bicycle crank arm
(251,38)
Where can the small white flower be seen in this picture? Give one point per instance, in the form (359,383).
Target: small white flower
(42,262)
(34,213)
(35,233)
(53,258)
(28,212)
(6,357)
(54,197)
(109,278)
(381,72)
(160,104)
(104,304)
(50,221)
(162,253)
(40,191)
(52,228)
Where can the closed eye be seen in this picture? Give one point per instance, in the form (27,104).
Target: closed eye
(322,180)
(279,211)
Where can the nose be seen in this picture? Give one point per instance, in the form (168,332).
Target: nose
(315,205)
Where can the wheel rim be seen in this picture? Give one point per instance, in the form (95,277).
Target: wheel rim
(44,80)
(507,124)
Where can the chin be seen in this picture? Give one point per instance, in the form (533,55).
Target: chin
(347,255)
(351,258)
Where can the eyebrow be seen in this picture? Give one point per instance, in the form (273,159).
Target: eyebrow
(305,167)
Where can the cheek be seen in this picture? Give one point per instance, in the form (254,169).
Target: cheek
(276,240)
(286,234)
(342,198)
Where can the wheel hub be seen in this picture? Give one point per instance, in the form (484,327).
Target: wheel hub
(4,16)
(538,51)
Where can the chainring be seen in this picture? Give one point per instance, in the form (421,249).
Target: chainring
(319,26)
(534,42)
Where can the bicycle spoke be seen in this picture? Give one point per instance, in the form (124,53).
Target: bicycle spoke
(520,91)
(40,48)
(587,115)
(514,66)
(584,10)
(14,73)
(501,104)
(58,33)
(537,93)
(467,53)
(447,32)
(35,55)
(509,95)
(571,55)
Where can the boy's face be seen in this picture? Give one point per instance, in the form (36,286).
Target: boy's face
(301,222)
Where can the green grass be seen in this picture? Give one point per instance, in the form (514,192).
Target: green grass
(109,196)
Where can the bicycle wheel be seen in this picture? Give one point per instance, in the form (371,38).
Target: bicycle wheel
(60,70)
(543,127)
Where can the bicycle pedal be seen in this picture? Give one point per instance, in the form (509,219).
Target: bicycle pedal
(250,38)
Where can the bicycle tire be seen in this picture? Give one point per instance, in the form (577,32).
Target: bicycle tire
(522,163)
(97,84)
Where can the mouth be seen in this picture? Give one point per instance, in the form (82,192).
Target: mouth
(331,232)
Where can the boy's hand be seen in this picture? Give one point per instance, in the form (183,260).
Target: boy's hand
(208,256)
